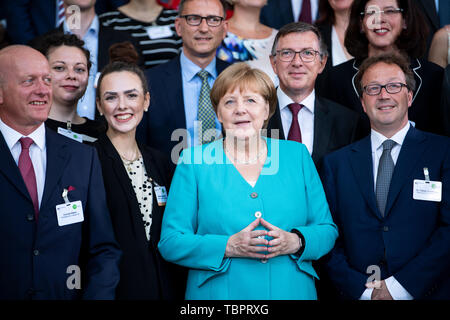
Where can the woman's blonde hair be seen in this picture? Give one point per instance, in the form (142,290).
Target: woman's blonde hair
(241,75)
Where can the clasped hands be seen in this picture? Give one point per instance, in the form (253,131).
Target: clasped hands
(251,243)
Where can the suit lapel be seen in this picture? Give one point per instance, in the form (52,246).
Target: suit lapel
(276,124)
(174,81)
(412,149)
(286,11)
(361,163)
(157,211)
(430,10)
(57,159)
(322,130)
(9,168)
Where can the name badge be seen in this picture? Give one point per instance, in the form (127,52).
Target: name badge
(427,190)
(69,213)
(158,32)
(161,195)
(70,134)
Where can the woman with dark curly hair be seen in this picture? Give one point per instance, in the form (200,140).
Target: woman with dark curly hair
(69,66)
(382,26)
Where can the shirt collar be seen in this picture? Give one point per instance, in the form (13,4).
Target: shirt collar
(94,28)
(284,100)
(377,138)
(12,136)
(190,69)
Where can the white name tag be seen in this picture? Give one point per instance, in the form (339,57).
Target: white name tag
(158,32)
(69,213)
(70,134)
(161,195)
(427,190)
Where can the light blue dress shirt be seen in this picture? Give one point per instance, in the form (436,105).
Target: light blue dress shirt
(86,105)
(191,92)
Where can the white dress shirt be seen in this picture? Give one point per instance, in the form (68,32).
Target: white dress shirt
(38,152)
(305,117)
(395,288)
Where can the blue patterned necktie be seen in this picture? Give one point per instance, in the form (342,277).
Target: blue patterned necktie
(384,175)
(206,115)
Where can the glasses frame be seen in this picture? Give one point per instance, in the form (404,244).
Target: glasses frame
(385,88)
(186,16)
(316,53)
(385,12)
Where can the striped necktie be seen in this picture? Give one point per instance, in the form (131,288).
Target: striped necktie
(60,14)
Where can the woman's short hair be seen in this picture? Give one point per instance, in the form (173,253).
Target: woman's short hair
(299,27)
(123,57)
(412,39)
(388,58)
(241,75)
(58,39)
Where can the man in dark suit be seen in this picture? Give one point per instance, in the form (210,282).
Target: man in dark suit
(298,56)
(27,19)
(277,13)
(56,236)
(173,118)
(389,195)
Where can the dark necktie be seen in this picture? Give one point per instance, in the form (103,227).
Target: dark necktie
(27,171)
(294,131)
(206,114)
(384,175)
(305,13)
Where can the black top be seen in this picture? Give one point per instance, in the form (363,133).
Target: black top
(425,109)
(90,128)
(144,274)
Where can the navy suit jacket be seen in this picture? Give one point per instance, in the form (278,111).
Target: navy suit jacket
(166,112)
(412,241)
(28,19)
(277,13)
(35,256)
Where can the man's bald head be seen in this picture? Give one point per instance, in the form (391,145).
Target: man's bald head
(25,88)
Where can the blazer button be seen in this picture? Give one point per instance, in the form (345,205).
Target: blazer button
(385,228)
(36,252)
(263,260)
(254,195)
(30,217)
(258,214)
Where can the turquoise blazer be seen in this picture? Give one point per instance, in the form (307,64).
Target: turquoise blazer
(209,201)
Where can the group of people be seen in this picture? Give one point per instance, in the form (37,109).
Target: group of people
(253,164)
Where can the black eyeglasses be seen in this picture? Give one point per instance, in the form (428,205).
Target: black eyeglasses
(389,12)
(307,55)
(196,20)
(392,87)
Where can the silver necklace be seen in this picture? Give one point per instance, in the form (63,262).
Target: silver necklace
(249,161)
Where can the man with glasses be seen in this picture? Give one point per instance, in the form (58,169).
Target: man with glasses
(298,56)
(179,89)
(389,195)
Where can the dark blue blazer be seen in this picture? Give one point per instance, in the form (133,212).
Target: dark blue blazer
(412,241)
(166,112)
(277,13)
(35,255)
(27,19)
